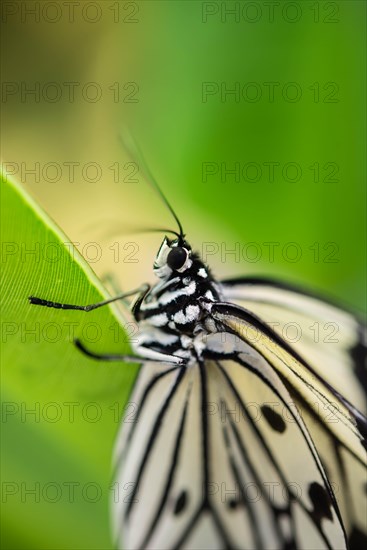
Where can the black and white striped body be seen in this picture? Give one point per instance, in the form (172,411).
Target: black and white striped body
(173,315)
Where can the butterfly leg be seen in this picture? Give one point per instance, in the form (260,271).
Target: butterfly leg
(46,303)
(107,357)
(136,307)
(130,358)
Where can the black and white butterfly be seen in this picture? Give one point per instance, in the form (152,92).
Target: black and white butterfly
(241,439)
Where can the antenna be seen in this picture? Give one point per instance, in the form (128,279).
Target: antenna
(135,153)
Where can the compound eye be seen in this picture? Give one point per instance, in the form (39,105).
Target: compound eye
(177,257)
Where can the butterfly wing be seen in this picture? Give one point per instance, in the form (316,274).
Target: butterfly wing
(157,462)
(336,428)
(332,340)
(211,463)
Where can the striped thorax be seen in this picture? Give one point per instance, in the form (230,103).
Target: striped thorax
(173,315)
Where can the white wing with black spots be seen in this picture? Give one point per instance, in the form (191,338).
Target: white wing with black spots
(212,458)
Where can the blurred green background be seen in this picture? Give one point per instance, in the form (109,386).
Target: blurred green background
(274,92)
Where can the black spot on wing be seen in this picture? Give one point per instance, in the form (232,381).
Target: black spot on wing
(321,502)
(274,419)
(233,504)
(357,539)
(288,539)
(181,503)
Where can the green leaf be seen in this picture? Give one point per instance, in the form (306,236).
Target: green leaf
(61,410)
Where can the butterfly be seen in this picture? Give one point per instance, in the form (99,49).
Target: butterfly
(243,437)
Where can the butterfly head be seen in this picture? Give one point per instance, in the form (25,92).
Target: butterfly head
(173,257)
